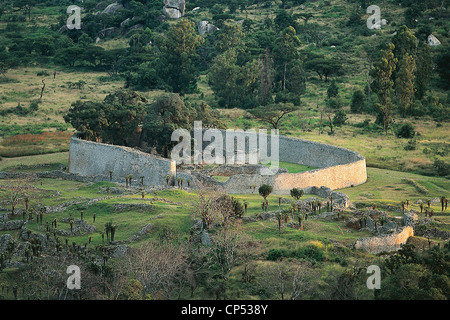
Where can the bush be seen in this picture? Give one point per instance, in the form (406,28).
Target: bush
(358,103)
(411,145)
(34,106)
(310,253)
(405,130)
(442,168)
(340,117)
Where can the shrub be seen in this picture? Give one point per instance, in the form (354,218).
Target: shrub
(405,130)
(309,253)
(358,103)
(275,254)
(340,117)
(34,106)
(411,145)
(442,168)
(42,73)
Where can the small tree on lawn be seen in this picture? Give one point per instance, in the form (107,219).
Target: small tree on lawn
(296,193)
(264,191)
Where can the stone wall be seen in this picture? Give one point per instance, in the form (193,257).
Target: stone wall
(338,167)
(97,159)
(385,243)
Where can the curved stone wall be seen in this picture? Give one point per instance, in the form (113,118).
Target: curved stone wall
(338,167)
(88,158)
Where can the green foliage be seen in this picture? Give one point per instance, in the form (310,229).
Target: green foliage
(358,103)
(232,83)
(383,84)
(405,130)
(273,113)
(309,253)
(442,168)
(265,190)
(332,90)
(112,121)
(296,193)
(178,55)
(170,112)
(414,276)
(340,117)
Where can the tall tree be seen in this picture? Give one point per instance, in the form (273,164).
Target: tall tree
(404,83)
(424,67)
(266,77)
(231,82)
(178,56)
(383,83)
(285,52)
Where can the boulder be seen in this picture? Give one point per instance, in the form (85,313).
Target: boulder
(125,23)
(205,27)
(174,9)
(112,8)
(108,32)
(206,239)
(4,240)
(433,41)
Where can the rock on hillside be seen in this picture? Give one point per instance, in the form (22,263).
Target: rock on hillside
(112,8)
(174,9)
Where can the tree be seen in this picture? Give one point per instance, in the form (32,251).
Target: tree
(266,77)
(324,67)
(424,67)
(383,83)
(340,117)
(358,103)
(232,83)
(178,55)
(69,56)
(285,52)
(296,193)
(169,112)
(404,42)
(442,63)
(404,83)
(231,36)
(332,90)
(265,190)
(26,6)
(114,120)
(273,113)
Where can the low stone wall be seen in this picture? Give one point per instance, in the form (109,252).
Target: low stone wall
(98,159)
(385,243)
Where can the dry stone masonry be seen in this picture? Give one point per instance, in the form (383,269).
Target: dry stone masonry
(337,168)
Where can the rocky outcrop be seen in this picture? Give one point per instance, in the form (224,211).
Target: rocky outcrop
(174,9)
(339,199)
(107,32)
(11,225)
(433,41)
(204,27)
(112,8)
